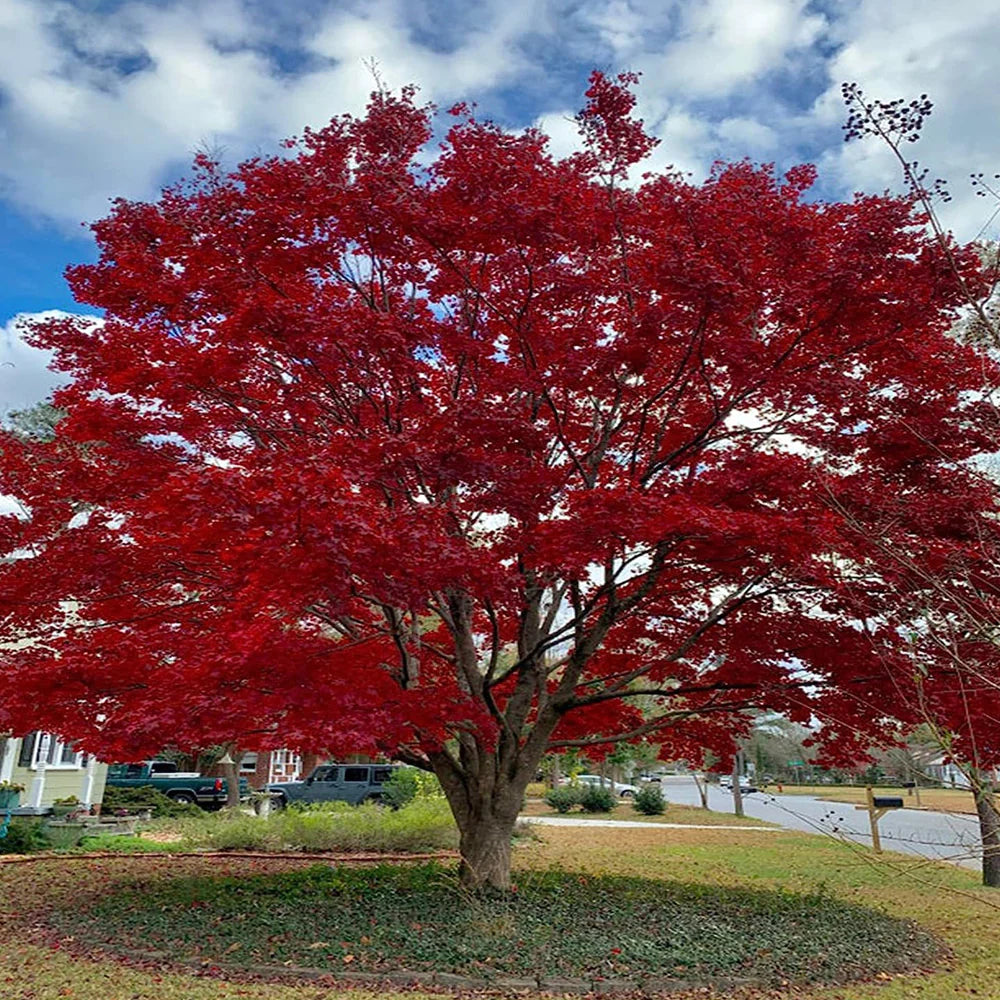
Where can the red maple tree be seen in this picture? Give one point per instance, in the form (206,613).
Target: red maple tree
(472,460)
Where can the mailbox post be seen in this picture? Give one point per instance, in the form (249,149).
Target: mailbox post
(878,806)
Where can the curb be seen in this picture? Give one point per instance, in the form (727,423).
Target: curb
(451,983)
(634,824)
(359,858)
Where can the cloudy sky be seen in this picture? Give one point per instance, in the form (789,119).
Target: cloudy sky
(104,98)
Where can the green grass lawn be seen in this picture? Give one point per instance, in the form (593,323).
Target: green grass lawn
(946,902)
(688,815)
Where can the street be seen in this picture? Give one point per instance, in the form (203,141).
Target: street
(943,836)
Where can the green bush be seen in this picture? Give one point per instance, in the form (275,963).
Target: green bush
(650,801)
(25,836)
(401,788)
(562,798)
(142,799)
(598,799)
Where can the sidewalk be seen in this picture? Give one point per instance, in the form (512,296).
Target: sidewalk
(636,824)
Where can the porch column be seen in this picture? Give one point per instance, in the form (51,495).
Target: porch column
(37,790)
(7,758)
(87,794)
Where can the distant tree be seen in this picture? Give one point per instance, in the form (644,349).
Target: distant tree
(774,743)
(37,423)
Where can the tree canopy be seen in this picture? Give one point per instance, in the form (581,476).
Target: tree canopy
(470,455)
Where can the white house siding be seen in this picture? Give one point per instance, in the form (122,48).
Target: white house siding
(44,784)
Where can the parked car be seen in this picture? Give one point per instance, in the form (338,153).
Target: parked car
(648,778)
(353,783)
(189,787)
(618,787)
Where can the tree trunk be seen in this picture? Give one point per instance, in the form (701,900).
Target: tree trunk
(485,848)
(231,772)
(485,807)
(702,787)
(989,832)
(737,794)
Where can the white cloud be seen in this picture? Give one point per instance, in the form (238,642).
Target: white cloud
(25,376)
(562,130)
(722,45)
(78,130)
(922,47)
(754,136)
(101,101)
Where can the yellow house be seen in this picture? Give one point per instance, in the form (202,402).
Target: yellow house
(50,769)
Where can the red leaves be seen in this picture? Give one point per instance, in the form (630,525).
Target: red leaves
(617,139)
(371,453)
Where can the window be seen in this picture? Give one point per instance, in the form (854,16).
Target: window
(327,774)
(285,766)
(356,774)
(56,753)
(27,755)
(381,774)
(248,763)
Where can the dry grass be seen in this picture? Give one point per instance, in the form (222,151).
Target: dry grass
(937,799)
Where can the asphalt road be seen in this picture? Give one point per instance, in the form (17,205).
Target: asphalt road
(941,836)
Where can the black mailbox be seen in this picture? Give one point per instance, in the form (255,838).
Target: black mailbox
(887,802)
(909,784)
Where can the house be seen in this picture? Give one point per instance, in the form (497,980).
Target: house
(944,770)
(50,769)
(270,766)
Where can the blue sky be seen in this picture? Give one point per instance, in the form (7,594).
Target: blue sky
(100,98)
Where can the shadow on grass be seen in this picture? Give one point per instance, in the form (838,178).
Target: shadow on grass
(556,923)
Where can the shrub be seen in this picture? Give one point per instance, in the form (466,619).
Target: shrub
(401,788)
(146,798)
(597,799)
(562,798)
(409,783)
(24,836)
(650,801)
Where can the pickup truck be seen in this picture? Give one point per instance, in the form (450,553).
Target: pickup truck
(181,786)
(353,783)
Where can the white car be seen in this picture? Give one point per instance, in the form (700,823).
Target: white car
(618,787)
